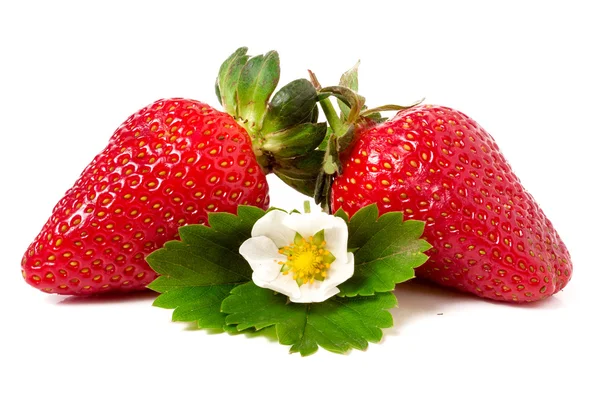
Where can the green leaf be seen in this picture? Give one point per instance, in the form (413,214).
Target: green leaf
(206,255)
(197,303)
(388,251)
(199,271)
(349,79)
(227,80)
(293,104)
(257,81)
(343,215)
(338,324)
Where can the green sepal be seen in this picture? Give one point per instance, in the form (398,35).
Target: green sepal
(227,80)
(293,104)
(322,194)
(244,87)
(295,141)
(319,238)
(298,239)
(257,81)
(348,96)
(388,107)
(330,167)
(344,141)
(301,172)
(348,79)
(377,117)
(325,142)
(314,115)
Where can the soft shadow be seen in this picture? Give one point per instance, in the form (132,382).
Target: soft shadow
(419,298)
(108,298)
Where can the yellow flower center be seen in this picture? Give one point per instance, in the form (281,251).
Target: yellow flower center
(307,260)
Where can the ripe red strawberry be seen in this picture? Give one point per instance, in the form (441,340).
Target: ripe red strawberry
(435,164)
(168,165)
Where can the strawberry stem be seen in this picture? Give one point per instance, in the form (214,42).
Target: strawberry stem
(331,115)
(335,122)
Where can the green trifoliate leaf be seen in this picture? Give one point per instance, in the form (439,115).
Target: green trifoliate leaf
(257,81)
(199,271)
(388,251)
(293,104)
(227,80)
(338,324)
(342,214)
(349,79)
(200,304)
(295,141)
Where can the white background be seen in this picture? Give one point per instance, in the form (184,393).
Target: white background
(526,71)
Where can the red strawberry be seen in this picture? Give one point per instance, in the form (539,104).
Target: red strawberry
(435,164)
(168,165)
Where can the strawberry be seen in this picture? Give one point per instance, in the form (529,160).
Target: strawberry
(170,164)
(435,164)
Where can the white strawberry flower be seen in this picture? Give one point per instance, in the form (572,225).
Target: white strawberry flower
(304,256)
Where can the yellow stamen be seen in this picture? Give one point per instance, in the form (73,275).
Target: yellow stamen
(307,259)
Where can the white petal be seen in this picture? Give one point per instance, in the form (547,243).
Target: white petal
(314,293)
(283,284)
(331,292)
(262,255)
(309,224)
(340,272)
(271,226)
(336,237)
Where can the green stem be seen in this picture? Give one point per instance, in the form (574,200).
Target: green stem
(331,115)
(335,122)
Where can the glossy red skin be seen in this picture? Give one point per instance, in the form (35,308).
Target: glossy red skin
(168,165)
(435,164)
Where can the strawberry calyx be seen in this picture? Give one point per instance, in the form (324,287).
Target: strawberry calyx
(283,126)
(354,117)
